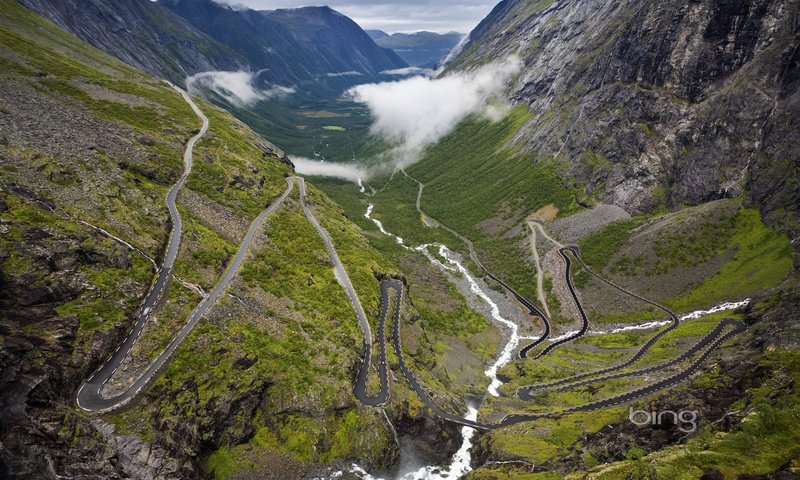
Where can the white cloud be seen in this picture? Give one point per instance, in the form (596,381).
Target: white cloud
(427,72)
(416,112)
(453,53)
(233,5)
(351,73)
(235,87)
(306,166)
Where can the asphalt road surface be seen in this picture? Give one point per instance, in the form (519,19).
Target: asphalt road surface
(706,347)
(86,399)
(89,397)
(360,389)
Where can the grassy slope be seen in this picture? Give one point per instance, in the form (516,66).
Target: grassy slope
(155,122)
(745,257)
(473,175)
(490,172)
(768,435)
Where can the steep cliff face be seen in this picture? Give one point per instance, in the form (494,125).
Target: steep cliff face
(649,103)
(141,34)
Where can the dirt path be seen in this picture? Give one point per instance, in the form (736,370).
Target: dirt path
(539,271)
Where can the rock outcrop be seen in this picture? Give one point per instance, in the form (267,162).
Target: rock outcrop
(649,103)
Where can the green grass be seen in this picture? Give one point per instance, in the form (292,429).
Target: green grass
(296,434)
(762,260)
(476,162)
(599,247)
(519,473)
(545,439)
(694,246)
(769,435)
(396,207)
(304,340)
(232,170)
(334,128)
(538,6)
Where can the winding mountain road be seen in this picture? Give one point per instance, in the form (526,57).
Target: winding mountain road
(360,388)
(89,397)
(539,271)
(532,308)
(584,318)
(705,346)
(526,392)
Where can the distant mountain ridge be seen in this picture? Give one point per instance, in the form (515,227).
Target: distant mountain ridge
(174,39)
(292,46)
(420,49)
(376,34)
(141,33)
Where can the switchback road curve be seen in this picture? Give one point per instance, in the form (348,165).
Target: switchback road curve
(675,321)
(86,399)
(360,389)
(706,346)
(89,397)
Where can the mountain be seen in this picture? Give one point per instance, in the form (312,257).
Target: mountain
(622,242)
(662,140)
(376,34)
(314,46)
(90,149)
(142,34)
(301,60)
(682,103)
(304,45)
(420,49)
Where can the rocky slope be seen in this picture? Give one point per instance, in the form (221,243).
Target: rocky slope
(647,103)
(651,107)
(141,34)
(90,142)
(88,150)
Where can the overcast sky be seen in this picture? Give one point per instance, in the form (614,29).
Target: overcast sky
(396,15)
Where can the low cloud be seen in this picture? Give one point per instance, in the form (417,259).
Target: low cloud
(427,72)
(238,88)
(307,166)
(455,51)
(351,73)
(417,112)
(232,5)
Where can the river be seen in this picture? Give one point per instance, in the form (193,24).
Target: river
(447,261)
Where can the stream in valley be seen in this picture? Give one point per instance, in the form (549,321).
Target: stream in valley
(447,261)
